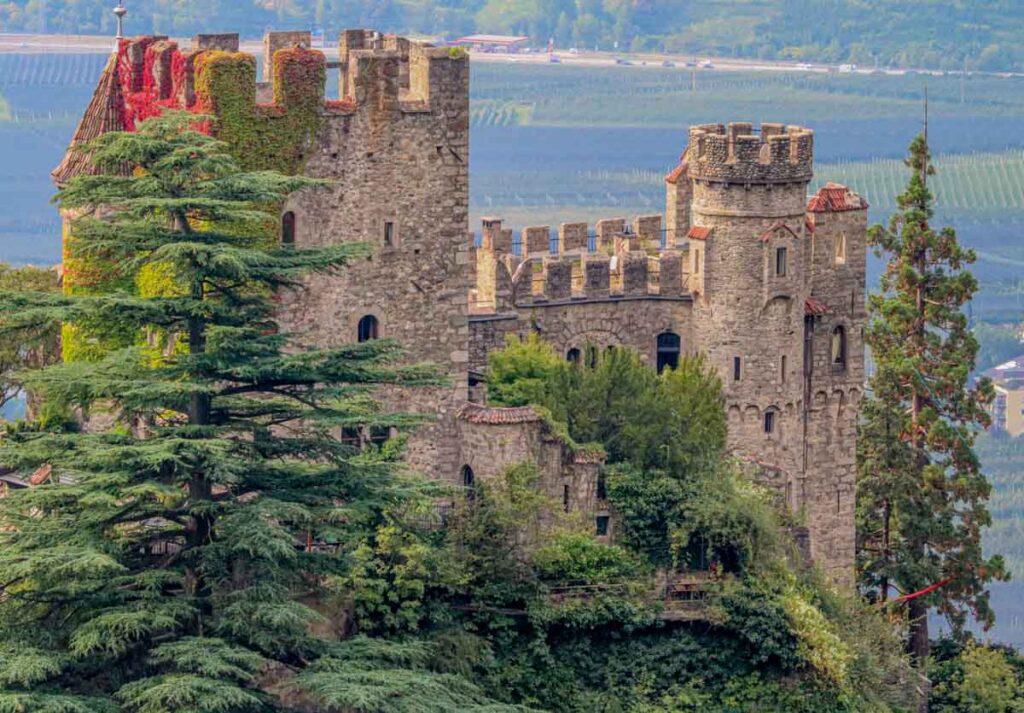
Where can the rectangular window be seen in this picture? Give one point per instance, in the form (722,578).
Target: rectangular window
(782,373)
(737,363)
(695,267)
(565,498)
(602,488)
(769,422)
(602,522)
(841,249)
(389,233)
(780,262)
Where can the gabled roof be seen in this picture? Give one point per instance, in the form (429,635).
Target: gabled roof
(477,413)
(677,173)
(103,114)
(813,307)
(776,227)
(698,232)
(835,198)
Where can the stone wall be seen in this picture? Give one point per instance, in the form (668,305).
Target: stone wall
(398,159)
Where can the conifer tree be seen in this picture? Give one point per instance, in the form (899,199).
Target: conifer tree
(922,493)
(161,568)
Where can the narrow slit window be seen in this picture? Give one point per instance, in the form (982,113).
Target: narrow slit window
(389,233)
(839,347)
(565,498)
(769,422)
(288,228)
(467,479)
(841,249)
(782,370)
(737,368)
(780,262)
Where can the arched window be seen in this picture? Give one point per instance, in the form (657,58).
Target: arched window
(466,477)
(573,356)
(839,348)
(288,228)
(367,328)
(668,351)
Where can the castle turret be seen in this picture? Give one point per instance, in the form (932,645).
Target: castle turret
(749,235)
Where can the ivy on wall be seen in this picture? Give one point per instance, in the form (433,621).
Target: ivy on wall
(276,136)
(264,136)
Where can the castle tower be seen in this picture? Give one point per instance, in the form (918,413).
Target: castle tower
(751,255)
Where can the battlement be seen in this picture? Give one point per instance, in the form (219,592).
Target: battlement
(609,235)
(598,276)
(380,71)
(739,153)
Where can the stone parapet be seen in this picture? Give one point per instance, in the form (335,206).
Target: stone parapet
(738,153)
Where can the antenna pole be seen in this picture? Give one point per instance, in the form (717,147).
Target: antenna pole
(120,11)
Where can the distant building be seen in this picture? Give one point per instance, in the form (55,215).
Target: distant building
(1008,407)
(493,43)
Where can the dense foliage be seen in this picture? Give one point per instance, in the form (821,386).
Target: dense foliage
(773,637)
(175,557)
(935,33)
(969,677)
(33,348)
(921,494)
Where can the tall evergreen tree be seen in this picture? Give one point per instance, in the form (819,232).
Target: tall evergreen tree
(922,493)
(161,569)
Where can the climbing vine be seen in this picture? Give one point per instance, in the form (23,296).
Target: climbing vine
(264,136)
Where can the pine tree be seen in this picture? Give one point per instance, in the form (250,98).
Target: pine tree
(922,493)
(161,569)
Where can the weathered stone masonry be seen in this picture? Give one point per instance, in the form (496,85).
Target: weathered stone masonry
(741,266)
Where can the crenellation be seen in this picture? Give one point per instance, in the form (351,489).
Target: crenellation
(573,237)
(276,41)
(648,230)
(558,278)
(607,230)
(596,275)
(634,273)
(536,240)
(224,42)
(736,154)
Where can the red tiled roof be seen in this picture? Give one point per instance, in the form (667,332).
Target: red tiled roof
(813,307)
(104,114)
(698,232)
(677,172)
(41,475)
(835,198)
(766,235)
(476,413)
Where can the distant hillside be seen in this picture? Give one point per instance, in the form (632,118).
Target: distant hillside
(946,34)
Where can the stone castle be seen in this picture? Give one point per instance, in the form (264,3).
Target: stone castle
(742,266)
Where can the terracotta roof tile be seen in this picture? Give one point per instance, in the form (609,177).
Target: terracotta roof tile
(103,114)
(835,198)
(813,307)
(698,232)
(476,413)
(677,173)
(41,475)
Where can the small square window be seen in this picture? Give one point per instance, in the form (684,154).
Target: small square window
(602,522)
(769,422)
(780,262)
